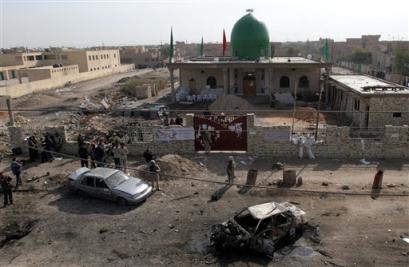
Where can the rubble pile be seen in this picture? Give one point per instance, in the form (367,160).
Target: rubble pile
(19,119)
(171,166)
(230,102)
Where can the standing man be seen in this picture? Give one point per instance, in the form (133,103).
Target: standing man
(6,186)
(154,169)
(148,155)
(16,170)
(92,153)
(123,156)
(206,140)
(231,165)
(83,153)
(32,148)
(117,155)
(100,154)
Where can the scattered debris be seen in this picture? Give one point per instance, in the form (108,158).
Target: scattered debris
(345,187)
(391,185)
(278,166)
(15,231)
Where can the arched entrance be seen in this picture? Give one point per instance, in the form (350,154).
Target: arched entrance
(211,82)
(249,84)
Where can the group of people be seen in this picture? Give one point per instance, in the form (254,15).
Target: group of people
(98,154)
(304,143)
(44,147)
(172,121)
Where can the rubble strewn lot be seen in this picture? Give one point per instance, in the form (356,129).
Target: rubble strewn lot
(172,227)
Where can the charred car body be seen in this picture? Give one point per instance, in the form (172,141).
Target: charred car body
(263,228)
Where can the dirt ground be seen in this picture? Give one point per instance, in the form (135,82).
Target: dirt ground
(171,228)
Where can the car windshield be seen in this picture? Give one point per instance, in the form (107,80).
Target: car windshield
(116,179)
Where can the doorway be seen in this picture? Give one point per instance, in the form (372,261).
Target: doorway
(249,84)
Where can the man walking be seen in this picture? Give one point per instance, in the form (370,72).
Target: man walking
(16,170)
(6,186)
(154,169)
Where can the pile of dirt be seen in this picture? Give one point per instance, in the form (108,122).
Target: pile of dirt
(308,115)
(230,102)
(171,166)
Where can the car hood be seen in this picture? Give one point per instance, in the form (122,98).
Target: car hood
(132,186)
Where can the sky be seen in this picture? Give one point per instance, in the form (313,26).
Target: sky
(82,23)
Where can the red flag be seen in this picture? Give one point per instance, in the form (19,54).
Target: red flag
(224,42)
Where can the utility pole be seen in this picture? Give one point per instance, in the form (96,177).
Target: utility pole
(295,105)
(11,116)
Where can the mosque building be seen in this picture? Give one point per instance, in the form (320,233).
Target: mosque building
(251,70)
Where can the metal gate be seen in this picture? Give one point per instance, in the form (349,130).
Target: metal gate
(225,133)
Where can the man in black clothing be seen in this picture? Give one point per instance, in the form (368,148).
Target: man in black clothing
(6,186)
(32,148)
(148,155)
(16,170)
(83,153)
(100,154)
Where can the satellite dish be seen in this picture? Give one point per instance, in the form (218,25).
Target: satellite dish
(309,56)
(249,10)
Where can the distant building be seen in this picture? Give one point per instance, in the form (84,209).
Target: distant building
(55,68)
(142,57)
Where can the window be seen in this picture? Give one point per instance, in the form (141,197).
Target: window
(100,183)
(13,74)
(284,82)
(397,115)
(115,55)
(93,57)
(89,58)
(356,104)
(211,81)
(89,181)
(30,58)
(1,76)
(39,57)
(303,82)
(96,56)
(64,57)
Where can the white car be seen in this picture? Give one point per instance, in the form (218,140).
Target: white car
(109,184)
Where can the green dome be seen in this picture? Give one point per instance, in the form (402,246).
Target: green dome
(249,39)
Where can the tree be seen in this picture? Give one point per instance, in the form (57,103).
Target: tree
(402,61)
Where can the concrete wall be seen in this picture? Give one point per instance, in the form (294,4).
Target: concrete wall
(18,90)
(389,103)
(200,78)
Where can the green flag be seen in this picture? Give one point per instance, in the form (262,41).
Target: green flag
(325,51)
(171,46)
(201,47)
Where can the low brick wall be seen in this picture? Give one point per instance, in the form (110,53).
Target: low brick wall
(336,143)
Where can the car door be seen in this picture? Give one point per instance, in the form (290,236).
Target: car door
(87,185)
(101,189)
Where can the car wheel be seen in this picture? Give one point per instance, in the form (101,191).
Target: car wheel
(121,201)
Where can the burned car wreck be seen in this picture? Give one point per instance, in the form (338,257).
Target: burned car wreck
(263,228)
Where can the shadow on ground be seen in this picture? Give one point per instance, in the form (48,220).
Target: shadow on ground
(80,204)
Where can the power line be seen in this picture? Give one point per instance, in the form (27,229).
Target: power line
(404,194)
(64,109)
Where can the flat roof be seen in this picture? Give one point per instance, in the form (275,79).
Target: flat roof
(367,85)
(220,61)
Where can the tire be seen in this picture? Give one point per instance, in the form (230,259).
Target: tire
(121,201)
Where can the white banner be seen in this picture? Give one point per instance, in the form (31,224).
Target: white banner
(175,134)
